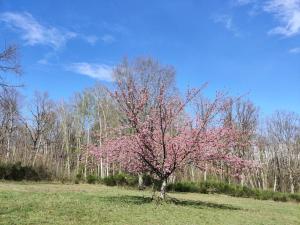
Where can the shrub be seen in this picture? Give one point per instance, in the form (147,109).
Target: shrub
(6,171)
(31,174)
(295,197)
(183,187)
(43,173)
(282,197)
(231,189)
(109,181)
(2,171)
(156,184)
(18,172)
(132,180)
(64,179)
(91,179)
(120,179)
(114,180)
(79,176)
(265,195)
(147,180)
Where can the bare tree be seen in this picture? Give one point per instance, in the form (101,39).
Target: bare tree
(9,118)
(284,133)
(42,116)
(9,63)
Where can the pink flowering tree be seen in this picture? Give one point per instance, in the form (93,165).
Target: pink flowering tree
(158,138)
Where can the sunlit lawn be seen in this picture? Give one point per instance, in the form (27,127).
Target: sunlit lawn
(36,203)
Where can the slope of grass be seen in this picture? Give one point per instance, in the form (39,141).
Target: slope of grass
(37,203)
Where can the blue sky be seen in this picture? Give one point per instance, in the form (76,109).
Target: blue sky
(241,46)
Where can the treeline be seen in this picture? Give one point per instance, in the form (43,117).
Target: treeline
(57,135)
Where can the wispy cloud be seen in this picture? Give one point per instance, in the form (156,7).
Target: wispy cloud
(253,4)
(107,38)
(97,71)
(91,39)
(50,58)
(227,22)
(115,28)
(243,2)
(33,33)
(287,12)
(295,50)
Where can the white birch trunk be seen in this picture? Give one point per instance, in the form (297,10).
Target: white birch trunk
(163,189)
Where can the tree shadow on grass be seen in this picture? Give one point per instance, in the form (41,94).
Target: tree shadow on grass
(127,199)
(201,204)
(140,200)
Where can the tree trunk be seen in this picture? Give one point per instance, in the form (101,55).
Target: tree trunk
(107,167)
(264,181)
(36,150)
(205,173)
(275,184)
(68,167)
(172,179)
(8,148)
(101,168)
(98,170)
(68,163)
(242,179)
(193,173)
(292,183)
(141,182)
(86,156)
(85,167)
(252,183)
(78,155)
(163,189)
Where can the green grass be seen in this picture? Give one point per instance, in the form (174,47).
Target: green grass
(38,203)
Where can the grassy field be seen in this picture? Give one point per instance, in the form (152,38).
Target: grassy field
(34,203)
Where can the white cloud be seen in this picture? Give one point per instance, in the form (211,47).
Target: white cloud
(97,71)
(227,22)
(33,32)
(294,50)
(287,13)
